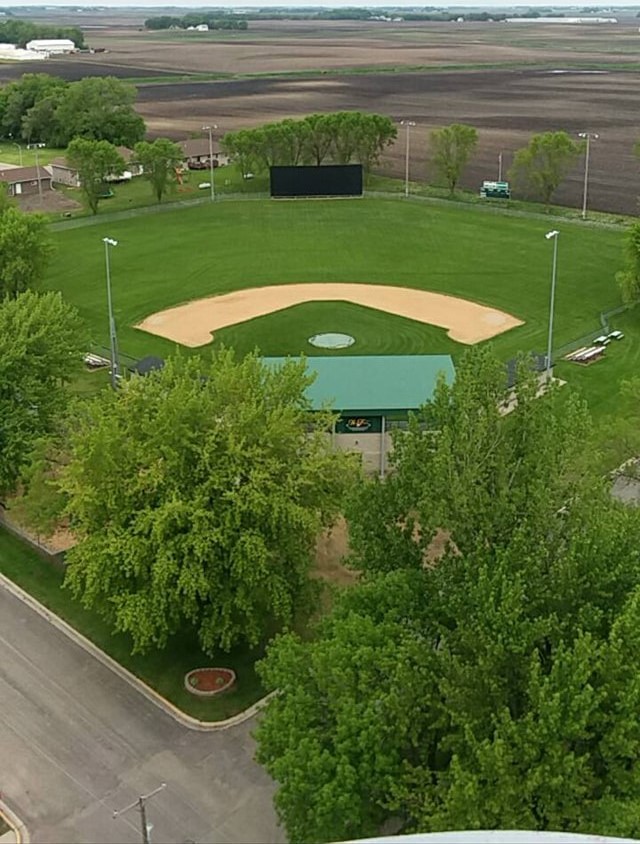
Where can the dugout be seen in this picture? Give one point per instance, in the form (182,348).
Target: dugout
(372,393)
(307,181)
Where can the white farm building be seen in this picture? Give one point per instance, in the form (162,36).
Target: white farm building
(51,46)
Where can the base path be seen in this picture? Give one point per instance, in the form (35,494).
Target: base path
(193,324)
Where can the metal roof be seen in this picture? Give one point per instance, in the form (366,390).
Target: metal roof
(374,383)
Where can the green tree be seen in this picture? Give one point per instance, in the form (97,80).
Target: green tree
(95,161)
(160,161)
(25,249)
(543,164)
(20,32)
(197,494)
(41,344)
(240,147)
(489,690)
(629,278)
(18,98)
(376,132)
(100,109)
(452,147)
(319,138)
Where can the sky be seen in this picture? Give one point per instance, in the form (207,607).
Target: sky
(190,4)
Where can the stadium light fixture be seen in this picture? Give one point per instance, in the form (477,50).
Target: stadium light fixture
(586,136)
(552,235)
(408,124)
(113,340)
(209,129)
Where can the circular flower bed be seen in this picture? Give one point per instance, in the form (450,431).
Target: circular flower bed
(207,682)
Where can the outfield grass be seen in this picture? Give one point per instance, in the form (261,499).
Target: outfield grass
(163,670)
(501,261)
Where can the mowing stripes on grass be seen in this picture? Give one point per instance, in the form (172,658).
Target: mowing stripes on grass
(502,262)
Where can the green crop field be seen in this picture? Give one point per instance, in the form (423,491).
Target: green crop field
(502,261)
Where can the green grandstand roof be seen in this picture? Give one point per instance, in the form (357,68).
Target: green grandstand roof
(370,383)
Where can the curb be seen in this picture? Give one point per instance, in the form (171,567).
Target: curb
(162,703)
(19,829)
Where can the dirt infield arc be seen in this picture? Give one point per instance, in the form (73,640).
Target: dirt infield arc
(194,323)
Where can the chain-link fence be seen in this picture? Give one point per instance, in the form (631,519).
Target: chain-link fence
(587,339)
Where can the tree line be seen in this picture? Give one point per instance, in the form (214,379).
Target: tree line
(213,21)
(46,109)
(342,137)
(538,169)
(19,32)
(487,684)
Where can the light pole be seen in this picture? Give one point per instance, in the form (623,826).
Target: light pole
(408,124)
(211,184)
(140,804)
(38,177)
(113,340)
(19,151)
(553,235)
(499,166)
(587,136)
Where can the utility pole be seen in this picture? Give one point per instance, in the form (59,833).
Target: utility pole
(39,179)
(140,805)
(586,136)
(408,124)
(211,183)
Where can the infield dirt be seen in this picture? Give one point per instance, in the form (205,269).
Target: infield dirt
(193,323)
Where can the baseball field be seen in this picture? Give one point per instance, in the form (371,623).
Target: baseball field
(500,262)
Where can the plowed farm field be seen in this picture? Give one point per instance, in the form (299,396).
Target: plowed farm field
(507,80)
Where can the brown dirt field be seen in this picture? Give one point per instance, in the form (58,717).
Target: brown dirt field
(193,323)
(277,46)
(506,105)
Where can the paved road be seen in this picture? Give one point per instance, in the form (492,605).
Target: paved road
(77,742)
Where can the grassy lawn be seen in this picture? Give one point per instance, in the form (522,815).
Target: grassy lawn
(18,154)
(496,259)
(163,670)
(505,262)
(137,192)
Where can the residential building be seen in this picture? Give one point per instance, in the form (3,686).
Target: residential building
(64,174)
(196,153)
(23,181)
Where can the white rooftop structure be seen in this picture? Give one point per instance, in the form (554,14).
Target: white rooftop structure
(561,20)
(51,45)
(17,54)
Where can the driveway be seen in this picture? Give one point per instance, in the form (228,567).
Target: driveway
(77,742)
